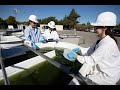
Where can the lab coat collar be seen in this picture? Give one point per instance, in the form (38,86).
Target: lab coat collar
(35,31)
(104,39)
(31,27)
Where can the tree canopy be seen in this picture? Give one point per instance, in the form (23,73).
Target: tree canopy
(70,21)
(47,20)
(11,20)
(3,24)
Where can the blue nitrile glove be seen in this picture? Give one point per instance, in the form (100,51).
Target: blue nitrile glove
(75,49)
(43,41)
(34,46)
(71,55)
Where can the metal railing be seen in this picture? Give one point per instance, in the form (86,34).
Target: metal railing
(58,65)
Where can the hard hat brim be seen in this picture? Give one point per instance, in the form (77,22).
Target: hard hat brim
(34,21)
(96,24)
(50,26)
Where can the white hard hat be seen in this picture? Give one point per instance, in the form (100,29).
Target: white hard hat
(66,51)
(105,19)
(33,18)
(51,24)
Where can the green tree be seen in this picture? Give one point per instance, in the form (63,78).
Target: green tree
(3,24)
(11,20)
(73,16)
(65,22)
(1,21)
(47,20)
(117,26)
(80,27)
(88,25)
(25,23)
(60,22)
(70,21)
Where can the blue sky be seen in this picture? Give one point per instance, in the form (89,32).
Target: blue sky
(87,12)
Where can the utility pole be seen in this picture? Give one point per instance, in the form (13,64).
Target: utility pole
(15,11)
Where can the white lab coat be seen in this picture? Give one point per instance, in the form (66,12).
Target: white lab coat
(51,35)
(104,61)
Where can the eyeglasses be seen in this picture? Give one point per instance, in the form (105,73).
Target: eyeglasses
(34,23)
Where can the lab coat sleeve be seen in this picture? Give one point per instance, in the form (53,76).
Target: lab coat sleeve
(81,59)
(46,34)
(94,58)
(56,36)
(84,50)
(27,35)
(41,38)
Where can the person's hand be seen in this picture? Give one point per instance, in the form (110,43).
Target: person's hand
(34,46)
(71,55)
(75,49)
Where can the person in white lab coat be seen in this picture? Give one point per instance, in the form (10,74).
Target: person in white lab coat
(103,57)
(51,33)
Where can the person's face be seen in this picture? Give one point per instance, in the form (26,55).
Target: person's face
(100,30)
(33,24)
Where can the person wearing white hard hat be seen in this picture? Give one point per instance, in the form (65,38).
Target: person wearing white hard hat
(32,33)
(51,33)
(102,59)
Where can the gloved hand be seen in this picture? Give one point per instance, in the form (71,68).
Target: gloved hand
(43,41)
(34,46)
(75,49)
(71,55)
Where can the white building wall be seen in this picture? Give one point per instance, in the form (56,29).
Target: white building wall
(20,27)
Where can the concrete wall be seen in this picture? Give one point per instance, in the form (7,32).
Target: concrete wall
(20,27)
(59,27)
(10,27)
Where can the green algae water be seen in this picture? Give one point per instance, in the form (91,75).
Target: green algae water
(41,74)
(46,73)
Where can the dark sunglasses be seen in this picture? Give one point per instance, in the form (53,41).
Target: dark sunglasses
(33,22)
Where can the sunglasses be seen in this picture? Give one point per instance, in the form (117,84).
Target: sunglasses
(33,22)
